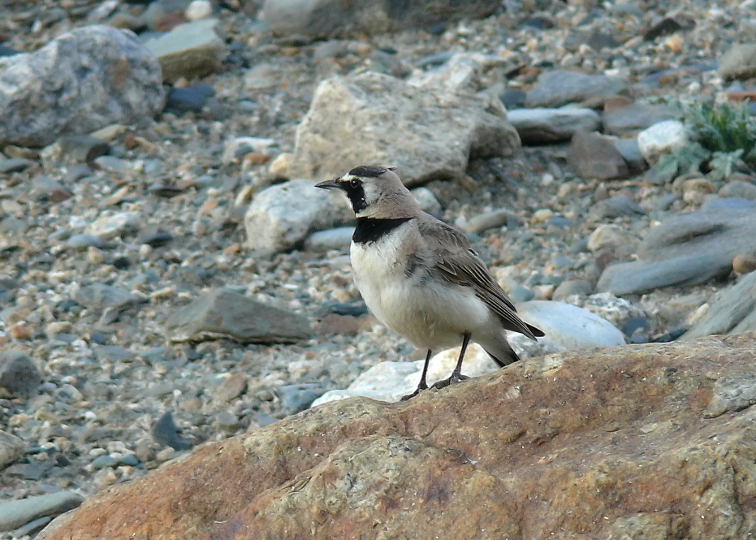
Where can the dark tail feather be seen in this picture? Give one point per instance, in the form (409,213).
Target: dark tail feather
(509,357)
(537,332)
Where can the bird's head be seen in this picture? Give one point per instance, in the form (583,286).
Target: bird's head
(375,192)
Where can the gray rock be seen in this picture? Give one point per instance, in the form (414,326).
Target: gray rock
(544,126)
(18,374)
(44,187)
(11,448)
(739,62)
(313,19)
(13,514)
(630,152)
(739,189)
(83,241)
(297,397)
(594,156)
(729,203)
(114,225)
(12,165)
(572,287)
(639,277)
(280,217)
(340,238)
(223,313)
(614,207)
(557,88)
(82,148)
(570,326)
(427,133)
(662,138)
(636,117)
(621,242)
(190,50)
(731,313)
(489,220)
(166,433)
(101,462)
(715,233)
(101,296)
(79,82)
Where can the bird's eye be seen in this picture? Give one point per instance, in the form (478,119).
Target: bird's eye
(354,183)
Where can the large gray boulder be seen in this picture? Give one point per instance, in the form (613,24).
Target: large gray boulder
(427,131)
(78,83)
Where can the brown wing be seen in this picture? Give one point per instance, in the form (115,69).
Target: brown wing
(458,263)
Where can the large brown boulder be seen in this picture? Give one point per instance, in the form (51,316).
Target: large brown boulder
(652,442)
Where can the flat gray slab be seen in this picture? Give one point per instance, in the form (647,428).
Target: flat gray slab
(223,313)
(13,514)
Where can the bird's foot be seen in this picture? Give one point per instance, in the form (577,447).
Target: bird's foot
(454,378)
(422,386)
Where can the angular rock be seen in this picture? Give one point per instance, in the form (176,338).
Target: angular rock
(16,513)
(733,312)
(636,117)
(739,62)
(190,50)
(569,326)
(630,152)
(18,374)
(281,216)
(594,156)
(313,19)
(79,82)
(166,433)
(611,237)
(662,138)
(101,296)
(11,448)
(114,225)
(427,133)
(223,313)
(545,126)
(631,448)
(557,88)
(340,238)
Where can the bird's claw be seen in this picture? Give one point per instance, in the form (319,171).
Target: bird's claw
(454,378)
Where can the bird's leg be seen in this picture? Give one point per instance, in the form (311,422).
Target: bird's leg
(423,385)
(456,375)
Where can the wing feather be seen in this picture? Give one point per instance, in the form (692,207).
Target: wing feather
(459,264)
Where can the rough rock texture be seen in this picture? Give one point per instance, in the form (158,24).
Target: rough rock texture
(733,312)
(739,62)
(652,442)
(684,250)
(77,83)
(329,18)
(281,216)
(595,156)
(223,313)
(190,50)
(427,133)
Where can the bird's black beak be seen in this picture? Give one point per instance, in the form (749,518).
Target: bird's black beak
(329,184)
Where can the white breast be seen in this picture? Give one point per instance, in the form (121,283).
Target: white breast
(429,312)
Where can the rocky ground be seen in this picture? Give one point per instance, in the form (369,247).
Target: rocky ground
(127,203)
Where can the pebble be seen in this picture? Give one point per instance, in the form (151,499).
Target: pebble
(11,448)
(339,239)
(544,126)
(662,138)
(115,225)
(18,373)
(166,433)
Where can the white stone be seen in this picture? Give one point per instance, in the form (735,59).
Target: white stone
(570,326)
(198,9)
(427,201)
(339,238)
(390,381)
(662,138)
(612,308)
(114,225)
(281,216)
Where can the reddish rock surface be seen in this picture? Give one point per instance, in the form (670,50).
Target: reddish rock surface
(652,442)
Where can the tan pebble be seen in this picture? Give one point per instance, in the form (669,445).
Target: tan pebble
(58,327)
(209,206)
(233,249)
(542,216)
(255,158)
(95,255)
(674,43)
(162,294)
(281,165)
(695,189)
(145,250)
(21,331)
(744,264)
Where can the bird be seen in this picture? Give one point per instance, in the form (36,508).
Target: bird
(420,276)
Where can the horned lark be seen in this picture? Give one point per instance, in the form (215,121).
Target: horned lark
(420,277)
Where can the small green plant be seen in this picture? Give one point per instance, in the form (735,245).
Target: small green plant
(723,127)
